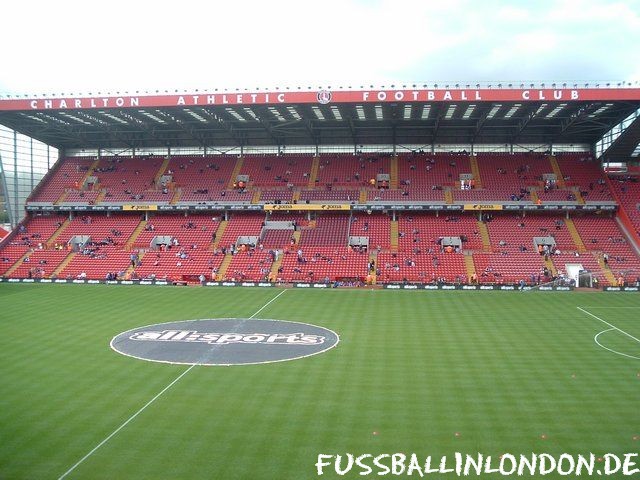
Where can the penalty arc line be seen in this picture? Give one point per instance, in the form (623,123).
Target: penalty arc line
(132,417)
(611,349)
(613,327)
(607,323)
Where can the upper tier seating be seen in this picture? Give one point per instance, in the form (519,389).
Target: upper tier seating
(130,179)
(66,175)
(582,171)
(276,196)
(202,179)
(353,171)
(277,171)
(421,172)
(511,175)
(344,178)
(407,194)
(320,196)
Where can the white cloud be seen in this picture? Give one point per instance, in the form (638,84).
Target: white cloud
(63,46)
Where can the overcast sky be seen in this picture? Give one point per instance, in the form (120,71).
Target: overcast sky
(65,46)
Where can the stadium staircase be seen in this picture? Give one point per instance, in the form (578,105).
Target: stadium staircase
(394,235)
(606,271)
(132,268)
(101,195)
(469,266)
(49,243)
(296,236)
(222,271)
(61,198)
(296,196)
(363,196)
(579,197)
(235,172)
(393,173)
(18,263)
(484,235)
(256,197)
(132,239)
(176,196)
(556,169)
(63,265)
(315,166)
(373,257)
(475,170)
(552,268)
(575,236)
(273,274)
(90,172)
(161,170)
(534,195)
(219,232)
(81,183)
(448,196)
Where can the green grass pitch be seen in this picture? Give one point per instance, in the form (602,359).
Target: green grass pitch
(415,371)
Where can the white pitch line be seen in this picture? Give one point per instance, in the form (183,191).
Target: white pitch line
(600,308)
(126,423)
(609,324)
(132,417)
(268,303)
(595,339)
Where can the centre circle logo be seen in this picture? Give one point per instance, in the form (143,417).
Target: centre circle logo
(224,341)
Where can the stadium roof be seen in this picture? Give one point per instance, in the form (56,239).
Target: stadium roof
(408,115)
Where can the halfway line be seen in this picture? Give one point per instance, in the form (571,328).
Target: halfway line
(268,303)
(150,402)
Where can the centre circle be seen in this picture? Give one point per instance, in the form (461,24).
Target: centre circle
(224,341)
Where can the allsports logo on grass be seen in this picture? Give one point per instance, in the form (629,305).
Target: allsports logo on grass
(225,341)
(188,336)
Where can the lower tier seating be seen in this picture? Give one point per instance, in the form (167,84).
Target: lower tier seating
(492,248)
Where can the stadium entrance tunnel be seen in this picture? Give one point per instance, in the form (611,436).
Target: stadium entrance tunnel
(225,341)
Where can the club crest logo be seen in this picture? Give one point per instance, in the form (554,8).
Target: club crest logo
(324,97)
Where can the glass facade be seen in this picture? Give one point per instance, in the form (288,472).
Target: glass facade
(24,162)
(611,136)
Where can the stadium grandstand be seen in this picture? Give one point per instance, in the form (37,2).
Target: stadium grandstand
(422,184)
